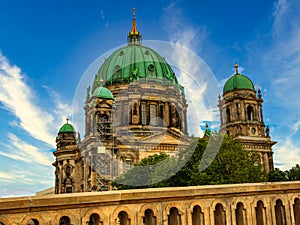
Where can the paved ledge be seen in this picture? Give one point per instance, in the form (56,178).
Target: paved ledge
(50,202)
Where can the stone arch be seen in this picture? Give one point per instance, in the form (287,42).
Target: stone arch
(60,214)
(196,214)
(4,221)
(228,115)
(173,204)
(115,214)
(89,212)
(219,214)
(240,214)
(282,198)
(33,216)
(174,216)
(296,210)
(280,212)
(246,207)
(192,204)
(260,212)
(216,201)
(142,212)
(250,112)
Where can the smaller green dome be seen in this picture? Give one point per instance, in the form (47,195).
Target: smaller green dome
(67,128)
(103,92)
(238,82)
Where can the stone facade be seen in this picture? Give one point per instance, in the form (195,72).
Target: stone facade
(241,115)
(238,204)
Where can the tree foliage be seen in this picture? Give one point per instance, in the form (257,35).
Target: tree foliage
(201,163)
(288,175)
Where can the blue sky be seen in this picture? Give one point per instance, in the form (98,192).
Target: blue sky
(46,47)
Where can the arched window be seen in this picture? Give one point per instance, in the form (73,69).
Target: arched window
(250,112)
(33,222)
(65,220)
(240,214)
(149,218)
(260,212)
(174,217)
(144,113)
(219,214)
(296,207)
(95,220)
(123,218)
(280,213)
(228,119)
(128,162)
(153,114)
(68,170)
(197,216)
(237,111)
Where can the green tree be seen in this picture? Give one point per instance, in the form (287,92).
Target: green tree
(277,175)
(293,173)
(202,162)
(233,164)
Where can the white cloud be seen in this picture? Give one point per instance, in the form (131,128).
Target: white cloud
(201,86)
(5,175)
(20,150)
(287,154)
(18,98)
(282,63)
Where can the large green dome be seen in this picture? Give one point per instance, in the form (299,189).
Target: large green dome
(238,82)
(135,62)
(103,92)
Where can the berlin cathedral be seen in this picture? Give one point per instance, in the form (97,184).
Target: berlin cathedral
(135,108)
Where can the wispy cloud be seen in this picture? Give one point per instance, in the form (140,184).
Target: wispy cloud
(287,153)
(18,98)
(200,84)
(282,63)
(20,150)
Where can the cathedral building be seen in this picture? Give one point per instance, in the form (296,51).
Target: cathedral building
(136,107)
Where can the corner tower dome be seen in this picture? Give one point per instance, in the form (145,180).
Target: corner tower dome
(103,92)
(135,62)
(238,82)
(67,128)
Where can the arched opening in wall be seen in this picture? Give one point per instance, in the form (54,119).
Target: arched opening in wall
(128,163)
(123,218)
(174,217)
(32,222)
(95,220)
(149,218)
(237,111)
(65,220)
(240,214)
(153,115)
(260,212)
(197,216)
(228,119)
(296,208)
(250,112)
(68,182)
(219,215)
(280,213)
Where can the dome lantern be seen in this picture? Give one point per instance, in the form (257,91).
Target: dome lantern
(134,36)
